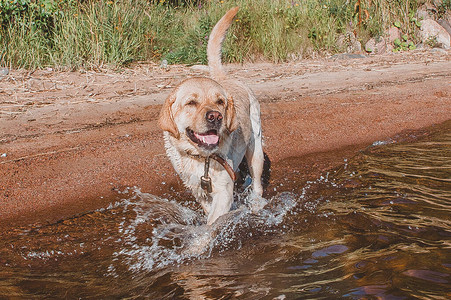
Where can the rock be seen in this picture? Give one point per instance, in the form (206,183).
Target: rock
(349,43)
(376,46)
(381,46)
(432,31)
(370,46)
(422,14)
(439,50)
(420,46)
(445,24)
(355,46)
(392,34)
(3,72)
(164,65)
(425,12)
(347,56)
(341,43)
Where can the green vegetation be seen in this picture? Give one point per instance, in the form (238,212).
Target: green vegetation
(72,34)
(408,30)
(443,7)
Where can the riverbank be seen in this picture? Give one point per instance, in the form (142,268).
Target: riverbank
(70,140)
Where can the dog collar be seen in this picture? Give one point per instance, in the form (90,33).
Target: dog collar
(225,165)
(205,180)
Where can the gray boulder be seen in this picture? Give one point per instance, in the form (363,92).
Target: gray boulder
(431,31)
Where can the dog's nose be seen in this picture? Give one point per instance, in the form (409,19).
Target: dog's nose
(213,116)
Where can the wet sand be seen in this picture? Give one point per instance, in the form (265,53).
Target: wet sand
(70,140)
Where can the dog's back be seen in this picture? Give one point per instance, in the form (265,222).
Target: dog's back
(215,43)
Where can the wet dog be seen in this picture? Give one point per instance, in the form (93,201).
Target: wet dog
(210,125)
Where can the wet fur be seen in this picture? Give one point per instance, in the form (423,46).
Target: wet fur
(239,134)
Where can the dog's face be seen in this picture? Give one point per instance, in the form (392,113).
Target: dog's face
(199,114)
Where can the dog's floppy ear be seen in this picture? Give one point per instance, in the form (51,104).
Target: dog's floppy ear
(231,122)
(166,118)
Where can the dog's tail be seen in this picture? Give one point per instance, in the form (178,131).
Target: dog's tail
(215,43)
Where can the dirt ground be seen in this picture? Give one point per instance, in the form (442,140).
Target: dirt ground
(70,140)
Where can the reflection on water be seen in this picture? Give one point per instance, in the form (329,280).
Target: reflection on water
(377,227)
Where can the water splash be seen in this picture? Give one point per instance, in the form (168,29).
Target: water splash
(163,232)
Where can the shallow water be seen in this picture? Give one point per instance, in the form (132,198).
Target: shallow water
(377,227)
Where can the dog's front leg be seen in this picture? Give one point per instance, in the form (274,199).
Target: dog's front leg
(222,198)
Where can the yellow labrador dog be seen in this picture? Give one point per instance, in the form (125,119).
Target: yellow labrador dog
(209,125)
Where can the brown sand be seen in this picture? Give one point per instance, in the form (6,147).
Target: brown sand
(69,140)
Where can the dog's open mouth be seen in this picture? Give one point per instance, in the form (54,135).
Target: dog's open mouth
(207,140)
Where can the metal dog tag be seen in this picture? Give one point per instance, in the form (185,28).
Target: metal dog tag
(205,183)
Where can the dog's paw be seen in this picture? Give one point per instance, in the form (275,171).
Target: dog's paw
(255,202)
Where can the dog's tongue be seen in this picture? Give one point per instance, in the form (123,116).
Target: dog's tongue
(209,139)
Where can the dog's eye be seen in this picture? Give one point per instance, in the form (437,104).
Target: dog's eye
(220,101)
(192,103)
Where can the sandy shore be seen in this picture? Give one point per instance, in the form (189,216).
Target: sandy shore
(70,140)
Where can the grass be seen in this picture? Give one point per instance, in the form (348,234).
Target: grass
(73,34)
